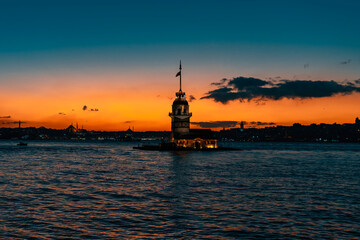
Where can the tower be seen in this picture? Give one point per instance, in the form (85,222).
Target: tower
(180,115)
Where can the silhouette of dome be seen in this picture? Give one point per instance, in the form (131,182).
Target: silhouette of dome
(180,101)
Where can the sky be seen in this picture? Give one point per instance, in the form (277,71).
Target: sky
(261,62)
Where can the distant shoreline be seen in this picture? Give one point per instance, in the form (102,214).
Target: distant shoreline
(328,133)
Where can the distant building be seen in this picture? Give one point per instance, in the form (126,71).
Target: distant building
(357,121)
(71,129)
(242,126)
(181,134)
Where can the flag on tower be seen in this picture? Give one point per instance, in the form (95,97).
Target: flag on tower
(178,74)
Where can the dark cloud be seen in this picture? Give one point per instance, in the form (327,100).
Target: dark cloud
(5,117)
(13,122)
(191,98)
(61,113)
(247,89)
(222,81)
(85,108)
(274,78)
(229,124)
(222,94)
(346,62)
(242,83)
(258,123)
(262,123)
(216,124)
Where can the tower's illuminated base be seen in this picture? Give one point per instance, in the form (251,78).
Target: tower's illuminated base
(174,147)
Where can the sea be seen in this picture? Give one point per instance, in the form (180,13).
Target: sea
(108,190)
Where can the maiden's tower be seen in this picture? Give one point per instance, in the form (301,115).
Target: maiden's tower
(181,135)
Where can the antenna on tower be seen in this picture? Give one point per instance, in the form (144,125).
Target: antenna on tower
(180,75)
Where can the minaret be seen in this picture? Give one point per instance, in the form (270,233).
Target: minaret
(180,115)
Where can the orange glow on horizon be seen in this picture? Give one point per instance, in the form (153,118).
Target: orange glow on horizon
(138,100)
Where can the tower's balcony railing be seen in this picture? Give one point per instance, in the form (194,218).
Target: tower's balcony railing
(182,114)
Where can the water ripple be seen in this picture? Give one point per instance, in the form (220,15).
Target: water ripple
(91,190)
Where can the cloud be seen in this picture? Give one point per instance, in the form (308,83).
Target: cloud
(14,122)
(222,81)
(88,109)
(216,124)
(346,62)
(306,65)
(229,124)
(191,98)
(61,113)
(222,94)
(247,89)
(262,123)
(5,117)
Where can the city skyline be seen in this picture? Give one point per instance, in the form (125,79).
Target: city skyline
(111,66)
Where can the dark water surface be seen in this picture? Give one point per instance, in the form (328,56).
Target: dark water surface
(99,190)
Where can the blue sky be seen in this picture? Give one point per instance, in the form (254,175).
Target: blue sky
(56,25)
(273,35)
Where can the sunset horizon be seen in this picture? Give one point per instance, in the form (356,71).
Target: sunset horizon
(114,108)
(304,69)
(108,110)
